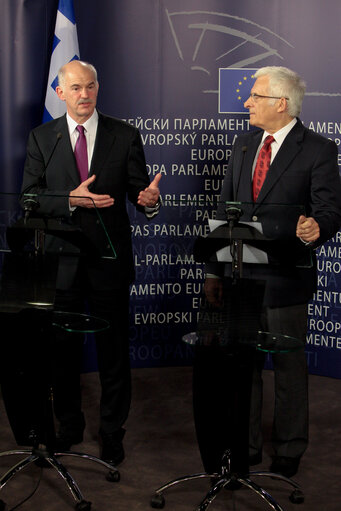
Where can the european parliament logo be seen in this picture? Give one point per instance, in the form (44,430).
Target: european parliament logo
(234,89)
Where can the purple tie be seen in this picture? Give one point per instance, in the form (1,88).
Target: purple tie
(81,154)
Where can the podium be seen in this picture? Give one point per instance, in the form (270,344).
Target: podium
(227,337)
(27,289)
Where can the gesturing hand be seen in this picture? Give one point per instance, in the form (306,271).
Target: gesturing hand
(307,229)
(150,195)
(82,197)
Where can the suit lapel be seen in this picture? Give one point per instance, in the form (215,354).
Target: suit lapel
(288,151)
(243,180)
(105,138)
(69,161)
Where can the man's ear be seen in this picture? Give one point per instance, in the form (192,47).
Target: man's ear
(282,105)
(60,93)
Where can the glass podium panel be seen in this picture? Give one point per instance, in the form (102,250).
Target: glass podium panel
(203,228)
(35,331)
(171,253)
(35,216)
(30,248)
(267,233)
(241,244)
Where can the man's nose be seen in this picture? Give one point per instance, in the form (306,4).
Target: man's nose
(247,102)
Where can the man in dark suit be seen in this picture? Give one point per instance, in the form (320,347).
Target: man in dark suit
(114,168)
(303,171)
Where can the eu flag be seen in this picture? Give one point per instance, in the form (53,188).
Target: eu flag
(65,48)
(234,89)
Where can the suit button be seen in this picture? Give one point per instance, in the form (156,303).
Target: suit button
(254,218)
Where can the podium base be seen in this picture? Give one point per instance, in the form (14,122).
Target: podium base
(232,481)
(45,457)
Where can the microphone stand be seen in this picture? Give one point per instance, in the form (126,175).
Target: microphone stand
(233,214)
(30,202)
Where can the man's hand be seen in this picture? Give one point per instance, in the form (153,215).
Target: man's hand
(149,196)
(213,288)
(82,197)
(307,229)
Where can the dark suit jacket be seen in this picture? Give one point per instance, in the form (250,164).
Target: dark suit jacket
(303,173)
(119,165)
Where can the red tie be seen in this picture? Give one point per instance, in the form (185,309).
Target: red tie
(262,166)
(81,154)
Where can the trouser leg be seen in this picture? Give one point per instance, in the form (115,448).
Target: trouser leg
(113,359)
(67,358)
(290,422)
(256,406)
(221,398)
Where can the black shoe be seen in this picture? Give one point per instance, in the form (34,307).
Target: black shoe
(255,459)
(113,453)
(112,448)
(70,432)
(284,465)
(65,439)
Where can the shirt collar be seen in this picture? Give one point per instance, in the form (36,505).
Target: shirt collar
(89,125)
(280,135)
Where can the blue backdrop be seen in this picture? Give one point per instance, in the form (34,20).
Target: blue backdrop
(161,66)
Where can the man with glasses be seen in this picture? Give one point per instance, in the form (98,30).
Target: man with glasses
(282,163)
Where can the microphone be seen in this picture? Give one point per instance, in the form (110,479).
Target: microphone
(244,149)
(40,179)
(30,203)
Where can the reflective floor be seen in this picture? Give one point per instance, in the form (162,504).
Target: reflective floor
(160,445)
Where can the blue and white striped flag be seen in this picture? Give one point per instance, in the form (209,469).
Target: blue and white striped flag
(65,48)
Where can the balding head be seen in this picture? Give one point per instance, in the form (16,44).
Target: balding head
(78,87)
(72,67)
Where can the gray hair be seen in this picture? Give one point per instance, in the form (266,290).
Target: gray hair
(61,72)
(285,83)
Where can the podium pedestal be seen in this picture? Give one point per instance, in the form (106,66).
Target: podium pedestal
(38,429)
(227,338)
(27,292)
(234,471)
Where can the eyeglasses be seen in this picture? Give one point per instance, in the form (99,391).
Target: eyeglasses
(255,96)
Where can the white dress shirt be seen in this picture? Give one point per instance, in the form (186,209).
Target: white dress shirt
(279,137)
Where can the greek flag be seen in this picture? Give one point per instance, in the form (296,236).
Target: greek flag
(65,48)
